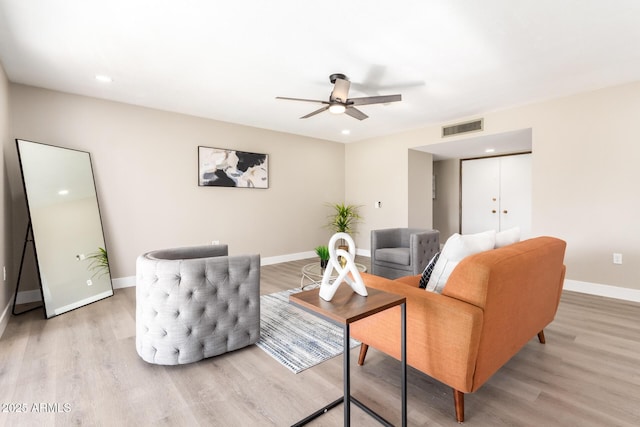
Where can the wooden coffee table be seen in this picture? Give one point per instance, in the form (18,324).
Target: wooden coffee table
(345,308)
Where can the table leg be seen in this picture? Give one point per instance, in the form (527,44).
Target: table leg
(347,377)
(347,399)
(404,363)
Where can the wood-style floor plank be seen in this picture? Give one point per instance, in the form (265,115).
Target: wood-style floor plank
(588,374)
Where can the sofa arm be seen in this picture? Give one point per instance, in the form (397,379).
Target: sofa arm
(443,333)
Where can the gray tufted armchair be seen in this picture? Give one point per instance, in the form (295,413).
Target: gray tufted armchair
(195,302)
(397,252)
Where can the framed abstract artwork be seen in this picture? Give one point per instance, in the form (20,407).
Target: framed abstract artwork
(218,167)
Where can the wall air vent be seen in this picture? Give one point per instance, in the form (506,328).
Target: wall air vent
(459,128)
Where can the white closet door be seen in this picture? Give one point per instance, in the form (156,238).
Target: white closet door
(515,193)
(480,195)
(496,194)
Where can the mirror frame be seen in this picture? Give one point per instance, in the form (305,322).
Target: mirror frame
(53,311)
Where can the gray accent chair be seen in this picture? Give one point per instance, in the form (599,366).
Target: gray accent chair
(195,302)
(397,252)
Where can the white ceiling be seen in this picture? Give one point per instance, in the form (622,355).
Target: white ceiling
(228,60)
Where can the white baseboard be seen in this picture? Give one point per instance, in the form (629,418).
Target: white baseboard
(286,258)
(4,319)
(123,282)
(609,291)
(363,252)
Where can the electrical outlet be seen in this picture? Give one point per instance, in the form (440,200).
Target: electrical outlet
(378,205)
(89,282)
(617,258)
(215,242)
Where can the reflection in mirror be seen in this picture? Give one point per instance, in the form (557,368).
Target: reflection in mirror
(66,226)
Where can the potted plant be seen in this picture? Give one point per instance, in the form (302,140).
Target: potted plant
(323,253)
(99,262)
(343,220)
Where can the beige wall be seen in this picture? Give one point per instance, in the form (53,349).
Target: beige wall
(446,206)
(145,165)
(378,170)
(586,159)
(6,286)
(585,173)
(420,170)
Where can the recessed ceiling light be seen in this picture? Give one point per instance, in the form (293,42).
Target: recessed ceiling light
(103,79)
(346,132)
(63,192)
(490,150)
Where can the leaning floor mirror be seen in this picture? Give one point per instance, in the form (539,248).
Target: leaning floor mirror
(66,227)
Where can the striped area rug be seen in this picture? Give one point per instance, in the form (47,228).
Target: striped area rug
(295,338)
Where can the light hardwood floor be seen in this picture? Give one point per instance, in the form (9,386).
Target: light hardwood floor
(588,374)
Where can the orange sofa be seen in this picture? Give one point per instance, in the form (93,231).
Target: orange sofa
(493,303)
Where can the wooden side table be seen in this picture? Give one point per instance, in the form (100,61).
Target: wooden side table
(345,308)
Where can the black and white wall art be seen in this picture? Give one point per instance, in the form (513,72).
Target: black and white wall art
(218,167)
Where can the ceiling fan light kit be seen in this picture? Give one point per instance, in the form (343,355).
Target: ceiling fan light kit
(340,103)
(337,109)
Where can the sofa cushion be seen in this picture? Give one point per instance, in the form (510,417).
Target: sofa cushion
(455,249)
(507,237)
(426,274)
(393,255)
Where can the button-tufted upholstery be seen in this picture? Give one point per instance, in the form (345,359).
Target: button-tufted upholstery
(397,252)
(195,302)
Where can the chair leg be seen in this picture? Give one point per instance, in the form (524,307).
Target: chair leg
(363,353)
(541,337)
(458,399)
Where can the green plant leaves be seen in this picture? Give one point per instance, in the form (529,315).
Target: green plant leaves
(344,218)
(99,262)
(322,252)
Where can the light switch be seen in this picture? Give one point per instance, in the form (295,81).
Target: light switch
(617,258)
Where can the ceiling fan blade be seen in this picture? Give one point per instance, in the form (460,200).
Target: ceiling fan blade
(340,90)
(313,113)
(355,113)
(301,99)
(374,100)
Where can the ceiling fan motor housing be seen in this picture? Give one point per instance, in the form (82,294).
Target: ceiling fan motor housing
(334,77)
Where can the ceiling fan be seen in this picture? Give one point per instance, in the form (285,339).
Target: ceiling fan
(339,103)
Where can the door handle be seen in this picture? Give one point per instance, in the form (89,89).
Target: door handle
(505,211)
(493,211)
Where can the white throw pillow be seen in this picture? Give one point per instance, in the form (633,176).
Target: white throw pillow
(507,237)
(455,249)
